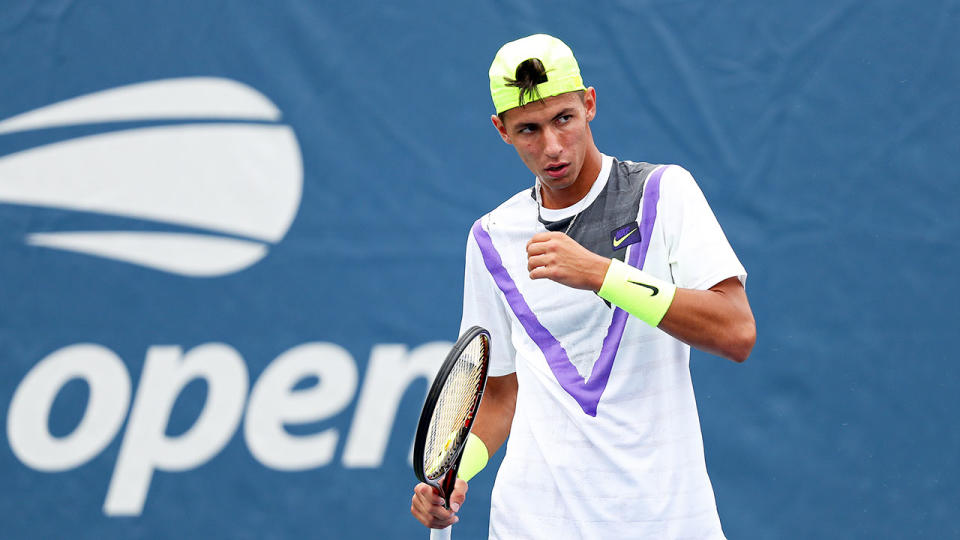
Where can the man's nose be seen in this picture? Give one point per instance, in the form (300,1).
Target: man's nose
(552,146)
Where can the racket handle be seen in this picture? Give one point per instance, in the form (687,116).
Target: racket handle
(440,534)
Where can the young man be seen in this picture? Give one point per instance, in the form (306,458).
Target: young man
(593,284)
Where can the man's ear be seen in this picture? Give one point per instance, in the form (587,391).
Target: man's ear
(501,129)
(590,103)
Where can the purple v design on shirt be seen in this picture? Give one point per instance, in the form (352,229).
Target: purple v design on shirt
(586,392)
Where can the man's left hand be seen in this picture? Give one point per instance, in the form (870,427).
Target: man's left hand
(556,256)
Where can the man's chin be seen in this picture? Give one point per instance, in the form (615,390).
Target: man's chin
(560,183)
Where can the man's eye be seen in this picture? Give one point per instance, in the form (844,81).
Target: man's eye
(565,118)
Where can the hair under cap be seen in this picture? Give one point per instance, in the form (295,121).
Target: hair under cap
(563,72)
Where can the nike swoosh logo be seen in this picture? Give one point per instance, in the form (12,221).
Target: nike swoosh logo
(653,290)
(618,241)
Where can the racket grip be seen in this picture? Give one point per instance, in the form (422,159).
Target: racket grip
(440,534)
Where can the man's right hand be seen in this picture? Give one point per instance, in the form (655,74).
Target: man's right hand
(427,505)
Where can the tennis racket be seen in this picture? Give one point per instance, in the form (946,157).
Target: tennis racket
(448,415)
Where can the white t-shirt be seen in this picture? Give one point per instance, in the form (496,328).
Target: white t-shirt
(605,441)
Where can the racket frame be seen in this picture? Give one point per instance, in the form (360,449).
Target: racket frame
(446,481)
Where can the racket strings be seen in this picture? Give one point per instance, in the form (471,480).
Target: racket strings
(454,410)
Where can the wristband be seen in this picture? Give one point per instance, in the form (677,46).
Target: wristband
(474,458)
(637,292)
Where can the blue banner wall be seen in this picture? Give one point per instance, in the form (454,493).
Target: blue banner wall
(231,252)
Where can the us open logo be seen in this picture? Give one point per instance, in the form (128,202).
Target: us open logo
(216,183)
(227,178)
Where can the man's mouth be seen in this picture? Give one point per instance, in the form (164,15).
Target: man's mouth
(556,170)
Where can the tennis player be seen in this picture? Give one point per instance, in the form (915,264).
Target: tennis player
(594,284)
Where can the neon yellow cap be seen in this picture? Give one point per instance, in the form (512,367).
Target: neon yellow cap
(563,72)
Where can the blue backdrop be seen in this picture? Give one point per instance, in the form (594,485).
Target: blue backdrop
(266,203)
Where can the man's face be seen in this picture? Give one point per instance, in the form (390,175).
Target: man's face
(552,138)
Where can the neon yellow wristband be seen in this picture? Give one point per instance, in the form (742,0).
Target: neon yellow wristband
(637,292)
(474,458)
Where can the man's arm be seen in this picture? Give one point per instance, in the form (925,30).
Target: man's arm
(717,320)
(492,427)
(496,411)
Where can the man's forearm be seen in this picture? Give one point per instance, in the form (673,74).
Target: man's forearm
(718,320)
(496,411)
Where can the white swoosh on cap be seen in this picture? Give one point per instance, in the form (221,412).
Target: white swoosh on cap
(181,98)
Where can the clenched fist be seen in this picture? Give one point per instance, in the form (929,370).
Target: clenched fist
(557,257)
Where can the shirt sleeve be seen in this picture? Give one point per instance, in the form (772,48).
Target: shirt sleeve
(483,306)
(698,252)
